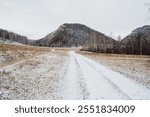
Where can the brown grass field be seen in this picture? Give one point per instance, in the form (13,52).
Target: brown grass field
(14,53)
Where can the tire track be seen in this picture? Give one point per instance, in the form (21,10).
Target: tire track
(117,84)
(108,80)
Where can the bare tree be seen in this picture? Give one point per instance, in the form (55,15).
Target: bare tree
(95,41)
(126,45)
(111,35)
(119,38)
(132,47)
(104,44)
(141,45)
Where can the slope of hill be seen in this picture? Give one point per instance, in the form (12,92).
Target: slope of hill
(138,42)
(7,41)
(67,35)
(102,43)
(14,37)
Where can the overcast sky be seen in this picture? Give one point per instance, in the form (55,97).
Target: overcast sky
(36,18)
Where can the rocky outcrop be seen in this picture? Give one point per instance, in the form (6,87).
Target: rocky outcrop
(4,34)
(138,42)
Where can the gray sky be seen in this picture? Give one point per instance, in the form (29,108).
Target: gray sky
(36,18)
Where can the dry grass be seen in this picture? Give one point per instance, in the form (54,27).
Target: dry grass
(62,49)
(11,47)
(14,53)
(133,66)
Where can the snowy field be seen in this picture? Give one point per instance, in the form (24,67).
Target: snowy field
(35,78)
(66,75)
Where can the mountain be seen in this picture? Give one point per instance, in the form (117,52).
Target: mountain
(67,35)
(138,42)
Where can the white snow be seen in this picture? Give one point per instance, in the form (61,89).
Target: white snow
(73,85)
(35,78)
(2,59)
(105,83)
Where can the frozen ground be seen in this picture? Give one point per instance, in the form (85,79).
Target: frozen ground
(2,59)
(62,75)
(34,78)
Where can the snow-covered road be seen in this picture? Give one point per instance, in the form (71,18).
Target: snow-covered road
(58,75)
(87,79)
